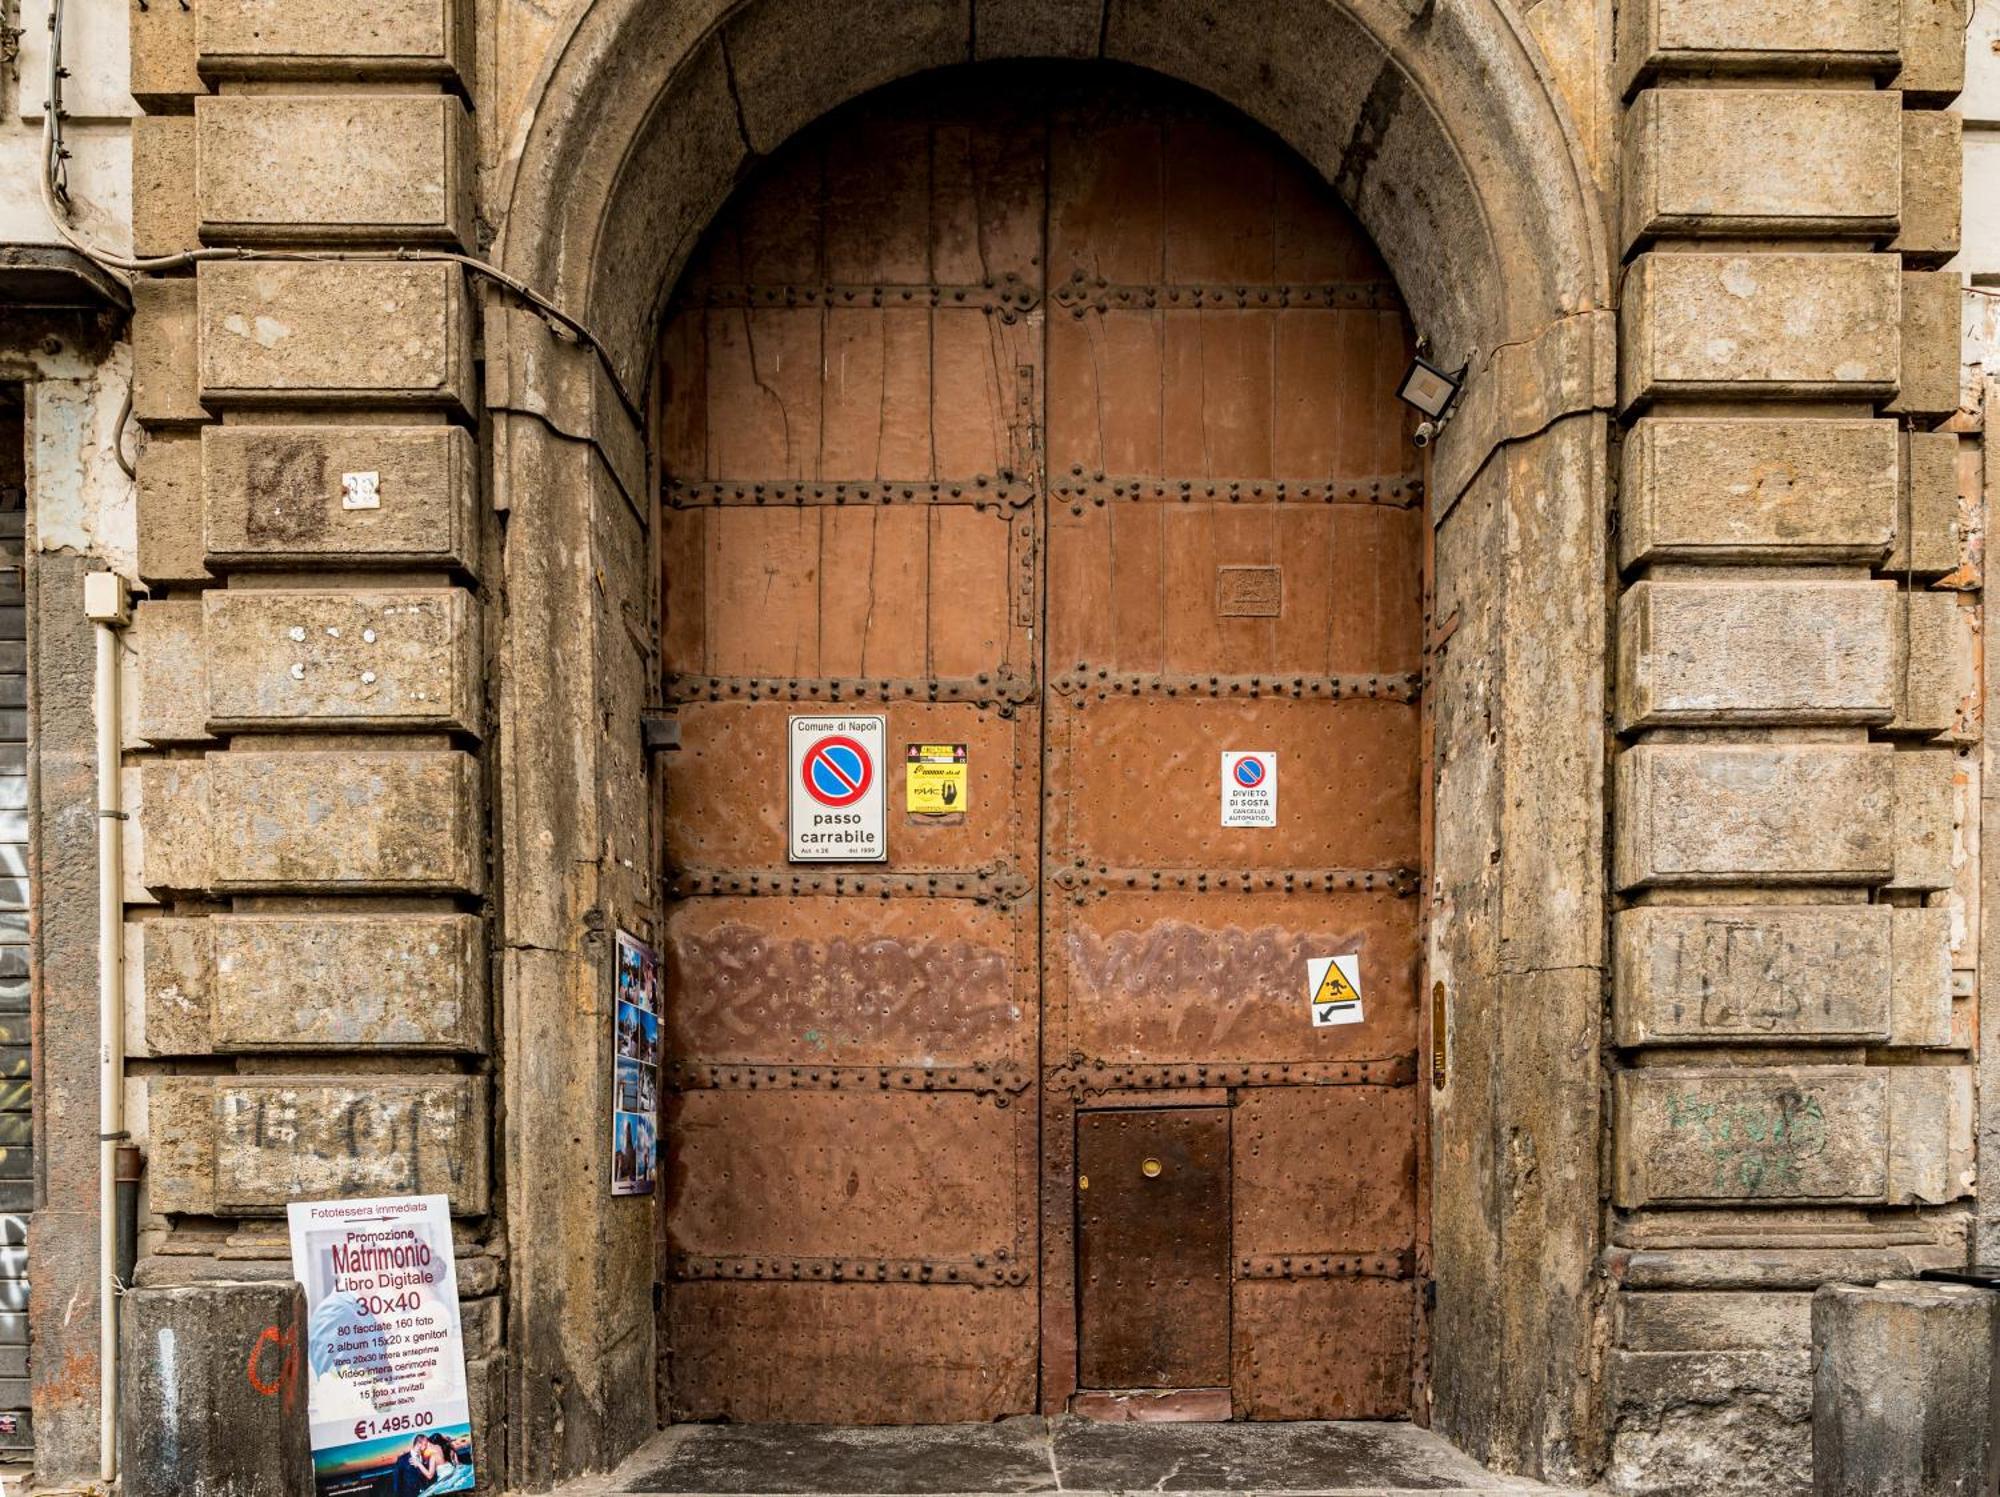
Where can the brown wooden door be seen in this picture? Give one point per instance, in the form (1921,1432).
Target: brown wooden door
(1049,413)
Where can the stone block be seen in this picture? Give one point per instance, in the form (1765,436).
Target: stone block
(1759,161)
(1906,1390)
(1927,527)
(1707,1320)
(1739,326)
(370,39)
(1938,663)
(375,333)
(1927,792)
(1756,652)
(393,168)
(214,1393)
(330,821)
(1801,38)
(1920,985)
(1932,197)
(1757,491)
(1933,49)
(166,679)
(169,503)
(1754,813)
(280,658)
(1863,1135)
(165,387)
(1724,1423)
(281,496)
(162,41)
(1780,974)
(229,1145)
(1928,387)
(163,217)
(486,1398)
(384,981)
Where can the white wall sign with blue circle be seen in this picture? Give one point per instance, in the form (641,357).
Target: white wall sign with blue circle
(838,790)
(1249,787)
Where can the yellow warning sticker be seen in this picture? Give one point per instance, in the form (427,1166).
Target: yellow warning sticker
(1333,989)
(934,778)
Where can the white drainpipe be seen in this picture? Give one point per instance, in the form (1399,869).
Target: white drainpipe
(105,602)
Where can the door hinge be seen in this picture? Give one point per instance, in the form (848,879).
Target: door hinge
(659,731)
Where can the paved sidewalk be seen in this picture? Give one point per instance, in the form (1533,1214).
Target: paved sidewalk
(1071,1456)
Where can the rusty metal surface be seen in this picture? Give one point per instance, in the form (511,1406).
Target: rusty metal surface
(1233,562)
(850,515)
(1221,978)
(1152,1209)
(980,1077)
(726,806)
(1096,1078)
(1103,684)
(848,1353)
(1402,490)
(847,982)
(844,1174)
(1142,789)
(983,492)
(1079,294)
(1103,881)
(1000,1266)
(1058,421)
(1325,1172)
(1154,1406)
(988,688)
(1140,587)
(1326,1348)
(982,886)
(1394,1265)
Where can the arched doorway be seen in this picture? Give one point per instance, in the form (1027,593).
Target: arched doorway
(1045,415)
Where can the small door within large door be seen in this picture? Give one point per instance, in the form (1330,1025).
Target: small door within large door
(1153,1248)
(1047,414)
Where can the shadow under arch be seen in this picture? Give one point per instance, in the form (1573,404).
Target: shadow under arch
(1438,124)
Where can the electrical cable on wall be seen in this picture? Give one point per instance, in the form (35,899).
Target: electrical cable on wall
(56,201)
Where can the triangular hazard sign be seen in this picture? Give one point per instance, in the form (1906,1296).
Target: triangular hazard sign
(1334,988)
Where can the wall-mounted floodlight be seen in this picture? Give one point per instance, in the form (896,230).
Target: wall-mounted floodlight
(1431,391)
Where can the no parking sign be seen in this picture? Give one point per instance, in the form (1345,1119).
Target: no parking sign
(1249,787)
(838,809)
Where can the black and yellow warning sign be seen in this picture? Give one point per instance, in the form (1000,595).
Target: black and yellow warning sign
(934,778)
(1333,988)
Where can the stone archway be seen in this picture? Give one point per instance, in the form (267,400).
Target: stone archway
(1441,130)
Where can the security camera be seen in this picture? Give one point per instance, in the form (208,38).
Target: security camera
(1425,431)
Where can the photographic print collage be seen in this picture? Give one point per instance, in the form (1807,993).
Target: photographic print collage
(635,1077)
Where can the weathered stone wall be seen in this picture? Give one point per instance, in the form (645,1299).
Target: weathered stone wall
(1797,787)
(309,687)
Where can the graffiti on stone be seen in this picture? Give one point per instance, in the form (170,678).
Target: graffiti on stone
(1759,1146)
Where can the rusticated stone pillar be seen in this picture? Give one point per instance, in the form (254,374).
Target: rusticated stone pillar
(308,863)
(1790,819)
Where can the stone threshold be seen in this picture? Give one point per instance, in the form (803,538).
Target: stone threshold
(1034,1455)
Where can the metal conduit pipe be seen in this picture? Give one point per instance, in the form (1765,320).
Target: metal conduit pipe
(106,605)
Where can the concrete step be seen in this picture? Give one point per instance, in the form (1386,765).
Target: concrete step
(1022,1456)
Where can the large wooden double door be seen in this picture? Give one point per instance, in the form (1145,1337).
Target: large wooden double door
(1051,414)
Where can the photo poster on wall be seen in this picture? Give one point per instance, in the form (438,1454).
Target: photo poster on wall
(386,1403)
(635,1068)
